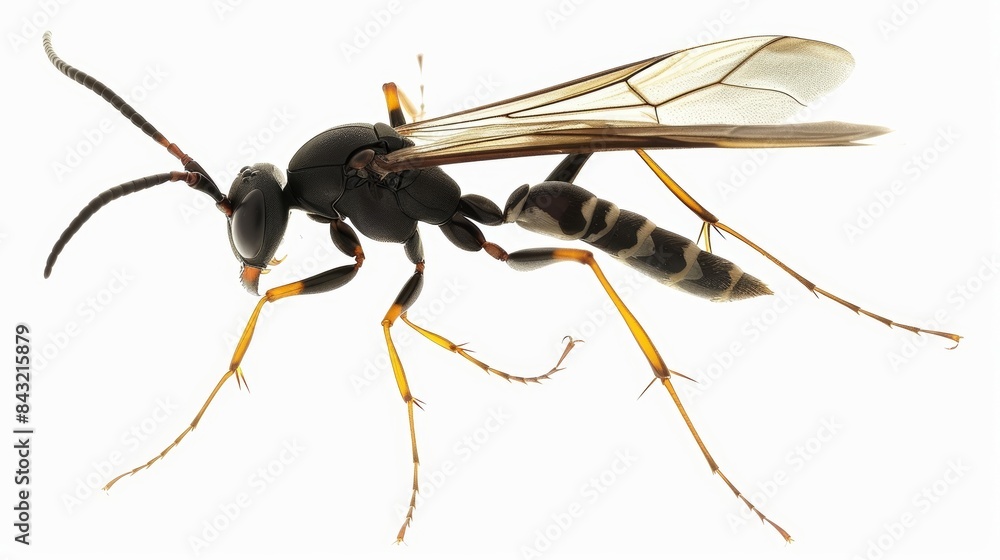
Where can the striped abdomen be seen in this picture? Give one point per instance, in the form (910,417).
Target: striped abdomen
(566,211)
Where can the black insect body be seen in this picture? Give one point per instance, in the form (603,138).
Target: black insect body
(566,211)
(328,173)
(386,180)
(321,178)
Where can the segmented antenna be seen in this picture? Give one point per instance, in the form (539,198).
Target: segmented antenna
(194,175)
(106,197)
(96,86)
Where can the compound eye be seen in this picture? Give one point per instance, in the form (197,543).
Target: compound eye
(248,224)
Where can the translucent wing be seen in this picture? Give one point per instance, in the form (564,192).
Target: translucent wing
(733,94)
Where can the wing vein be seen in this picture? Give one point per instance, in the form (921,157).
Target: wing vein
(732,94)
(706,86)
(744,61)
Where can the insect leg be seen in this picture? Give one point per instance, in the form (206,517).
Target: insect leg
(399,104)
(392,102)
(322,282)
(569,168)
(707,218)
(531,259)
(711,221)
(466,235)
(458,349)
(403,301)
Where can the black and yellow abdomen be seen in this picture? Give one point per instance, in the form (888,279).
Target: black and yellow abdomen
(566,211)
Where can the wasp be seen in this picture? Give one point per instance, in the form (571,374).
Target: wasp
(385,180)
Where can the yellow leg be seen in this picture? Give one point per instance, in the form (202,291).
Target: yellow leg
(457,348)
(404,390)
(645,344)
(234,369)
(711,221)
(321,282)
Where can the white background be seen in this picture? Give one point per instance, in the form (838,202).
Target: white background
(927,70)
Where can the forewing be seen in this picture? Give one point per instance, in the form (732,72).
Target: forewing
(712,95)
